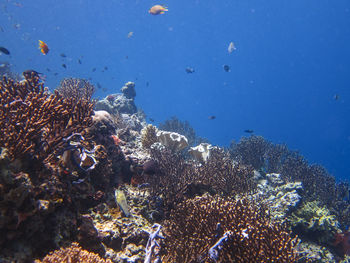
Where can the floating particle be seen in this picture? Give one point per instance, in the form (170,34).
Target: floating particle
(231,47)
(130,34)
(4,50)
(227,68)
(189,70)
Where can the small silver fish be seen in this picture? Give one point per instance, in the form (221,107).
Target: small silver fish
(121,201)
(231,47)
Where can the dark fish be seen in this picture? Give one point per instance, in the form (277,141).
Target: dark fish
(55,73)
(48,69)
(151,120)
(189,70)
(29,73)
(4,50)
(227,68)
(105,68)
(248,131)
(79,61)
(64,65)
(336,97)
(147,84)
(63,55)
(212,117)
(1,29)
(94,69)
(99,85)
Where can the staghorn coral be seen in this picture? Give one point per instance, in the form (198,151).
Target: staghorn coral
(177,178)
(72,254)
(250,151)
(149,136)
(76,89)
(34,122)
(212,229)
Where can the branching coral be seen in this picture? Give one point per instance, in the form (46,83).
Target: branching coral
(183,128)
(212,229)
(73,254)
(177,178)
(76,89)
(149,136)
(33,122)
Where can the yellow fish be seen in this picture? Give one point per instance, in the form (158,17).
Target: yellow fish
(44,48)
(157,9)
(121,201)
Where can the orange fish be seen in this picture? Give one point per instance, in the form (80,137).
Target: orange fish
(157,9)
(43,47)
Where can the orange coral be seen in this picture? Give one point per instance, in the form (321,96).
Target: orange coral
(72,254)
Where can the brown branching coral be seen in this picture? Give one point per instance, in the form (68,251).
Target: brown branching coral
(183,128)
(33,122)
(226,176)
(212,229)
(149,136)
(76,89)
(73,254)
(250,151)
(177,178)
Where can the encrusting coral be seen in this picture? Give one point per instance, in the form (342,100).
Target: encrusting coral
(72,254)
(33,122)
(213,229)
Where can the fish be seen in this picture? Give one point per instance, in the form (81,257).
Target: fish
(105,68)
(63,55)
(64,65)
(248,131)
(79,61)
(226,68)
(231,47)
(212,117)
(336,97)
(94,69)
(157,10)
(99,85)
(121,201)
(130,34)
(151,120)
(2,29)
(43,47)
(4,50)
(189,70)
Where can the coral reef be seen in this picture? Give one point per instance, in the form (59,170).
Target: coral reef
(120,103)
(76,89)
(182,127)
(314,222)
(73,253)
(212,229)
(34,123)
(149,135)
(201,152)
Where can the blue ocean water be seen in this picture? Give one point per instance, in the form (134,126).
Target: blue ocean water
(289,76)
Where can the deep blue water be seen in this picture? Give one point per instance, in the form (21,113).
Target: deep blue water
(292,58)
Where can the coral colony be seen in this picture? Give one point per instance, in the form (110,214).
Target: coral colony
(90,181)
